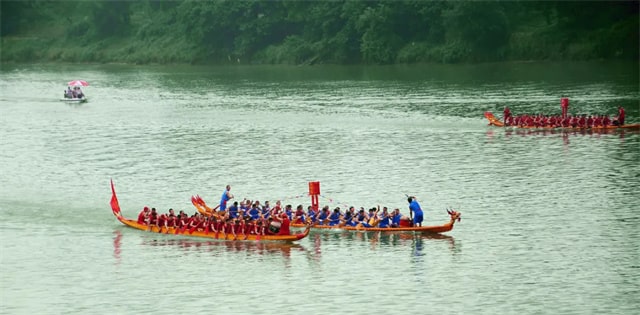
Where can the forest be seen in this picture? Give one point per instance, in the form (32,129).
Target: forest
(317,32)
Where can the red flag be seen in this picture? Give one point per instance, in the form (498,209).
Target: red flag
(115,206)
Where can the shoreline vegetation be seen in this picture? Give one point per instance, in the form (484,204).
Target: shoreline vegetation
(339,32)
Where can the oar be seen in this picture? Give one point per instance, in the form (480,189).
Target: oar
(191,230)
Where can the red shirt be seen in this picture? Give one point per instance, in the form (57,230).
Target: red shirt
(142,217)
(171,221)
(284,227)
(621,115)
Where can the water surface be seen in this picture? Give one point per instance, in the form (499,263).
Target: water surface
(549,219)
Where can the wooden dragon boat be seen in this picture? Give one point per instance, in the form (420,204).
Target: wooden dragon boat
(494,121)
(115,207)
(405,223)
(405,226)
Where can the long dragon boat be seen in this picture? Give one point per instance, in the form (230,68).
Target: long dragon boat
(115,207)
(494,121)
(405,225)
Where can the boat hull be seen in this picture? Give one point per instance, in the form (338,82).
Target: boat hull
(74,100)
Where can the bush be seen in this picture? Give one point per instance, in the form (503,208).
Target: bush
(293,50)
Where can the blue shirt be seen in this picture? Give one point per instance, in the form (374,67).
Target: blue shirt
(415,207)
(396,219)
(254,213)
(233,211)
(384,221)
(223,200)
(334,218)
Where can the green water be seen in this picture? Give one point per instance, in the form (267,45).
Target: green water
(549,220)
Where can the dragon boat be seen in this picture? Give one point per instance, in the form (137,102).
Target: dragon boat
(314,193)
(405,223)
(115,207)
(494,121)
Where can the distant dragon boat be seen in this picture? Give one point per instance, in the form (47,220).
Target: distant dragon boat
(115,207)
(494,121)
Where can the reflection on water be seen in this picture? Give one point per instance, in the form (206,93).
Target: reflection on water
(382,239)
(117,245)
(565,133)
(252,247)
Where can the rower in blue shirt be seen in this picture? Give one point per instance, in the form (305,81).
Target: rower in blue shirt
(233,210)
(384,218)
(334,218)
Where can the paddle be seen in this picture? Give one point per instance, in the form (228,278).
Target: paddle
(191,230)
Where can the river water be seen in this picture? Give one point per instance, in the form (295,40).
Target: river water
(550,221)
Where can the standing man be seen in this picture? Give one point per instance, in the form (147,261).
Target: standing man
(226,196)
(415,211)
(564,105)
(506,115)
(621,115)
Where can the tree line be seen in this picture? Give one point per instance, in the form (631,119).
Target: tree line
(311,32)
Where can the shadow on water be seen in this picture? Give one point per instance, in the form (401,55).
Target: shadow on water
(251,247)
(381,239)
(566,133)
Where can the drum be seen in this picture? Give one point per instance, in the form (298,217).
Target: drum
(405,222)
(274,227)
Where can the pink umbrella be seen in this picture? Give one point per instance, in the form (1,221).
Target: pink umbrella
(78,83)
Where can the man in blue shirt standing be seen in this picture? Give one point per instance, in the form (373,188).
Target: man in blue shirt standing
(415,210)
(226,196)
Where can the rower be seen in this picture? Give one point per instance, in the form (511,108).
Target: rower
(619,121)
(334,218)
(143,215)
(383,221)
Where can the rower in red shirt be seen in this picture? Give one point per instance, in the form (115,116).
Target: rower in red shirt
(582,122)
(162,221)
(590,121)
(144,214)
(172,220)
(153,217)
(298,216)
(597,121)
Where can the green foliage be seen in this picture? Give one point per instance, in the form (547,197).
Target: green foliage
(481,25)
(15,15)
(379,42)
(294,50)
(310,32)
(110,17)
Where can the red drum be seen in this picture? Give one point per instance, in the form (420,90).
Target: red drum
(405,222)
(274,227)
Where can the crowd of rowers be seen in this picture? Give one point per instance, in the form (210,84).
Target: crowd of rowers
(252,218)
(563,121)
